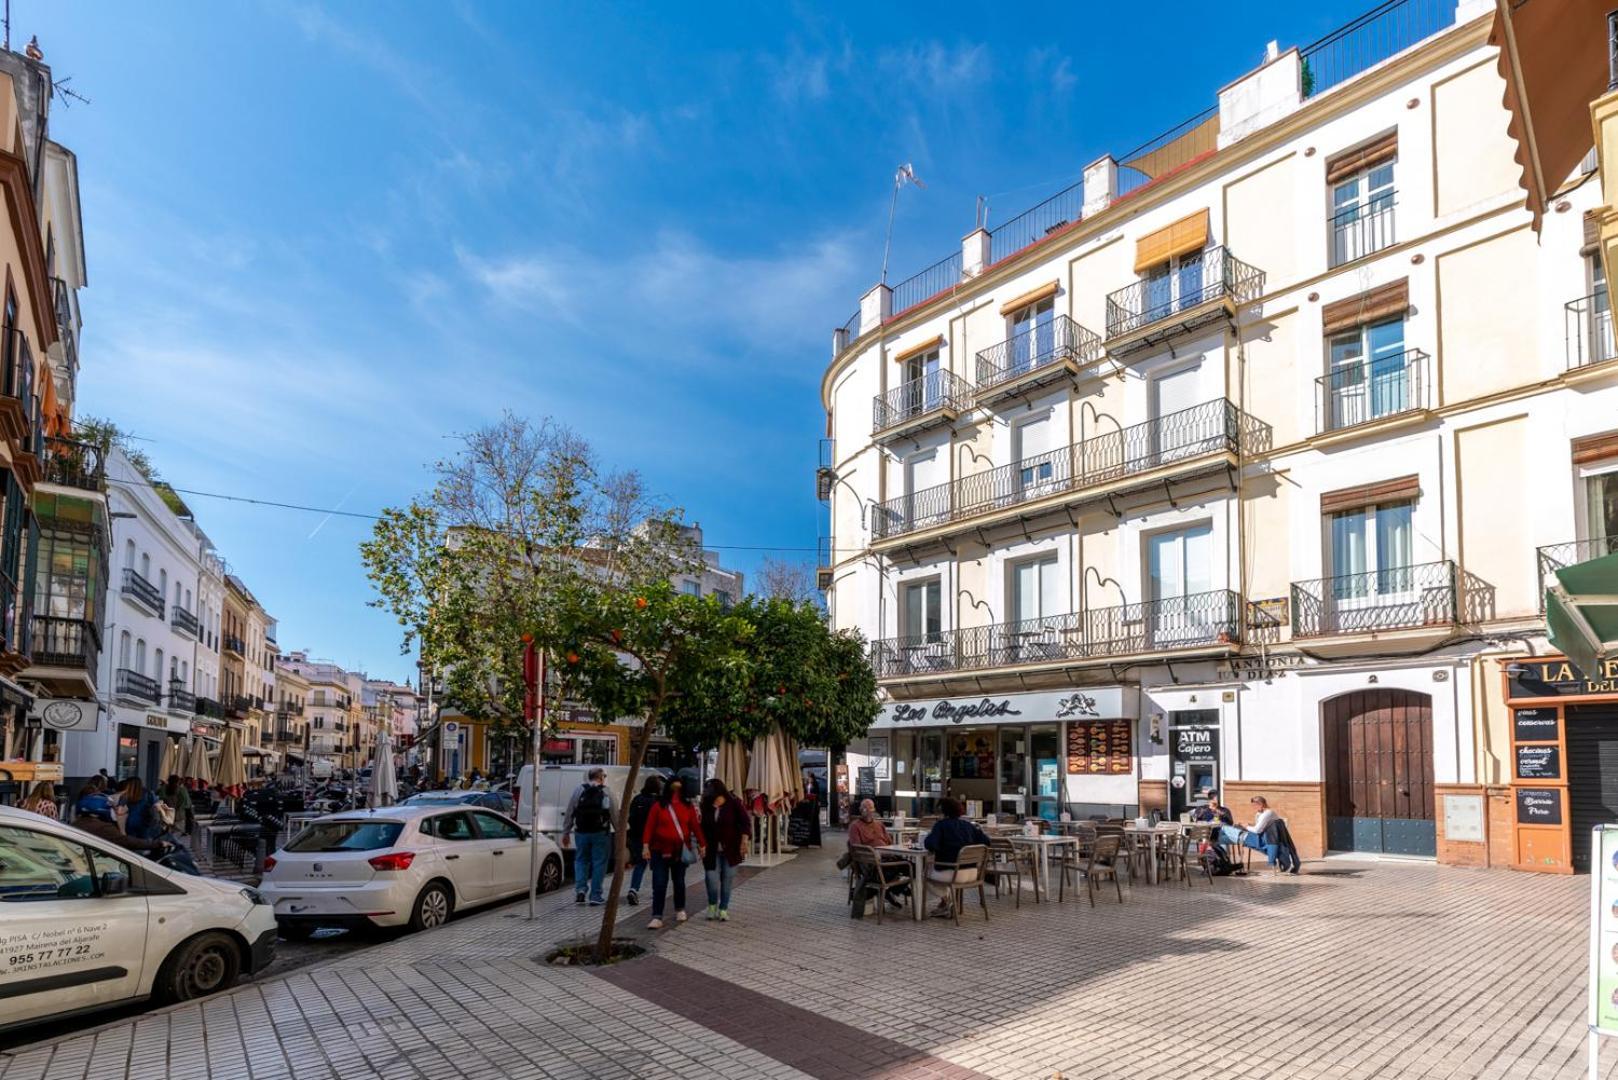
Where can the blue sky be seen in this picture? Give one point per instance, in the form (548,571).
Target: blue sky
(323,238)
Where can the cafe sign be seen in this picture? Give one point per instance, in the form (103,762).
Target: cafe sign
(1041,707)
(1555,677)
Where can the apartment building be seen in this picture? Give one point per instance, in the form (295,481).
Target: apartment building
(290,738)
(1238,465)
(329,708)
(251,667)
(210,596)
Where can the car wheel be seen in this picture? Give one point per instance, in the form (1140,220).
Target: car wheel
(298,931)
(550,875)
(432,907)
(204,965)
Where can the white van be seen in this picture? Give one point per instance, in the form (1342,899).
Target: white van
(85,924)
(556,786)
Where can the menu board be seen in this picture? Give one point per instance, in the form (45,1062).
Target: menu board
(865,782)
(1100,747)
(1539,806)
(1534,725)
(1539,763)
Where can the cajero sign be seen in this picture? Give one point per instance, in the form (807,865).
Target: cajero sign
(1090,703)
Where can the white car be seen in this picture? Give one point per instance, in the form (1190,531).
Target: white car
(411,864)
(85,924)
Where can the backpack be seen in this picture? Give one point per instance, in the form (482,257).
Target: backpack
(590,815)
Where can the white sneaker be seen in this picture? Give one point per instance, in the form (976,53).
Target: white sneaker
(655,924)
(679,916)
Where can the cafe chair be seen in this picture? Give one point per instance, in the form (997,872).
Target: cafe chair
(1103,866)
(1180,858)
(968,871)
(872,876)
(1008,864)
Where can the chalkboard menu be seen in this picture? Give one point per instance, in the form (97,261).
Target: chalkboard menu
(865,781)
(1539,806)
(1534,725)
(1100,747)
(1539,763)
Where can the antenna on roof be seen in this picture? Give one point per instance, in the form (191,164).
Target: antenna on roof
(8,25)
(69,95)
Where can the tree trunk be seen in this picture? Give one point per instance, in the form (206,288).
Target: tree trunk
(609,917)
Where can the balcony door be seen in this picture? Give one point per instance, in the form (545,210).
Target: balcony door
(1599,483)
(1033,632)
(1370,566)
(926,500)
(1179,570)
(1362,214)
(923,384)
(1033,447)
(1032,330)
(921,634)
(1173,434)
(1369,376)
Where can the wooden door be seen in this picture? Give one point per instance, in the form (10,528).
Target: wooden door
(1378,767)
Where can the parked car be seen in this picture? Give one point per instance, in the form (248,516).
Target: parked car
(489,800)
(407,865)
(85,924)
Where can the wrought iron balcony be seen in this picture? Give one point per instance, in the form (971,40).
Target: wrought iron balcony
(1184,296)
(235,644)
(142,592)
(288,735)
(1366,391)
(74,464)
(66,643)
(1398,598)
(1554,557)
(1363,230)
(181,700)
(1589,331)
(61,297)
(937,397)
(1202,620)
(183,621)
(1210,428)
(1035,356)
(137,687)
(238,703)
(210,708)
(17,393)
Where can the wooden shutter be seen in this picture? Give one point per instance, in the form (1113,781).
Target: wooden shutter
(1592,234)
(1595,448)
(1385,491)
(1182,237)
(1033,296)
(1382,302)
(1372,153)
(921,349)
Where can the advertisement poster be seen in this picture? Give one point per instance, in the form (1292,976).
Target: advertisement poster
(1604,929)
(878,753)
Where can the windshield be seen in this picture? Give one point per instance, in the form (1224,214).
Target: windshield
(346,836)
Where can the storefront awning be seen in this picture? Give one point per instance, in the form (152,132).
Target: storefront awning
(1553,57)
(1581,613)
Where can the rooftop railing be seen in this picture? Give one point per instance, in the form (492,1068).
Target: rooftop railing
(1398,598)
(1211,274)
(1368,390)
(1037,347)
(1185,143)
(931,392)
(1211,427)
(942,275)
(1385,31)
(1166,625)
(1031,226)
(1589,331)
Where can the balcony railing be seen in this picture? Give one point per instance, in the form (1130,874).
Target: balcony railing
(1363,230)
(211,708)
(1368,390)
(943,274)
(1064,208)
(238,703)
(1385,30)
(180,699)
(67,643)
(1398,598)
(235,644)
(1035,348)
(183,621)
(1211,274)
(133,684)
(1589,331)
(1554,557)
(1168,625)
(937,390)
(1212,427)
(74,464)
(287,735)
(142,591)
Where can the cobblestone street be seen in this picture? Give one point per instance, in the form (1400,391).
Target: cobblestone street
(1353,970)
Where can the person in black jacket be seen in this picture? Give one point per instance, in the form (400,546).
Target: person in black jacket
(949,835)
(639,807)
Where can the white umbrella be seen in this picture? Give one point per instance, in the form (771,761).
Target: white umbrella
(384,789)
(171,760)
(196,766)
(232,771)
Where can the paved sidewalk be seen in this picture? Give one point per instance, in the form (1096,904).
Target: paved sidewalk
(1353,970)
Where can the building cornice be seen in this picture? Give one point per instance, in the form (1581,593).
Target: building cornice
(24,218)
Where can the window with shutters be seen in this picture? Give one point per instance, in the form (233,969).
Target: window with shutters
(1370,371)
(1362,199)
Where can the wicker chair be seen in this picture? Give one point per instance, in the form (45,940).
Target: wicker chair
(869,875)
(968,871)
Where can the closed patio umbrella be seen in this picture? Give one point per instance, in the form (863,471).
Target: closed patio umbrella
(384,787)
(196,766)
(232,774)
(768,772)
(731,769)
(171,760)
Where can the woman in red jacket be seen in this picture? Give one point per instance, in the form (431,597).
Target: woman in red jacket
(672,828)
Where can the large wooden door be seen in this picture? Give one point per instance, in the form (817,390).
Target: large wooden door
(1378,767)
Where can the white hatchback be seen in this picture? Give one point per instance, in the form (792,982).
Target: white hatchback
(401,865)
(85,924)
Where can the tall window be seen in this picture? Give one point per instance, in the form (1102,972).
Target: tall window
(67,575)
(1180,563)
(924,387)
(922,611)
(1600,482)
(123,649)
(157,668)
(146,567)
(1369,374)
(1174,285)
(1032,333)
(1036,590)
(1033,446)
(129,554)
(140,655)
(1371,549)
(1362,213)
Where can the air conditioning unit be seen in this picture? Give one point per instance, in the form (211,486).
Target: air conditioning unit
(823,578)
(824,478)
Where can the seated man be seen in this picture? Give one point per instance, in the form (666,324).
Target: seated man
(948,836)
(867,829)
(1213,812)
(1261,836)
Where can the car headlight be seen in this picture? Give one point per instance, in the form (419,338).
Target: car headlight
(253,896)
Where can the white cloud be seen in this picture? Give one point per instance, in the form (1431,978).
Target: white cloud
(936,67)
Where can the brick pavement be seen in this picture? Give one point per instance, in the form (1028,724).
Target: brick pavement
(1353,970)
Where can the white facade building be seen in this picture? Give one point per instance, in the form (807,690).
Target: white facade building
(1237,465)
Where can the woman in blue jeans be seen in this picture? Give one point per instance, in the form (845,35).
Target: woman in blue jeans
(727,827)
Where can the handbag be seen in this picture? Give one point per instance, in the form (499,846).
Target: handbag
(165,814)
(688,851)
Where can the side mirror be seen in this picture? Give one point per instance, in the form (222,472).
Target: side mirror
(114,884)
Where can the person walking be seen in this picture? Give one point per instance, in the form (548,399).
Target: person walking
(639,807)
(178,799)
(589,824)
(673,840)
(42,800)
(726,828)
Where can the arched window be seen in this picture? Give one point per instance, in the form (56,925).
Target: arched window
(157,669)
(163,584)
(146,567)
(123,649)
(140,655)
(129,554)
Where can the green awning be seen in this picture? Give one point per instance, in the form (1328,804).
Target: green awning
(1581,613)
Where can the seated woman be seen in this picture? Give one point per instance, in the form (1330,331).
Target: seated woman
(949,835)
(1262,836)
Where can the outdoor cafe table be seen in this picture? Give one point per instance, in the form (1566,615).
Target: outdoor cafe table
(1158,834)
(918,858)
(1042,846)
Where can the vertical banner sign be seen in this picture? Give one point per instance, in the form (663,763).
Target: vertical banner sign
(1603,935)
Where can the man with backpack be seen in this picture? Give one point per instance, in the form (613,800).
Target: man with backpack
(588,825)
